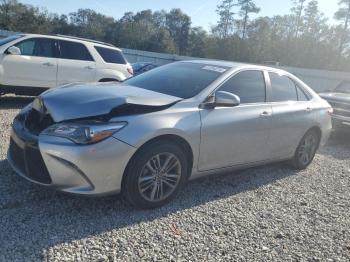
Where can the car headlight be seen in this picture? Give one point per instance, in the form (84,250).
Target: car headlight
(85,132)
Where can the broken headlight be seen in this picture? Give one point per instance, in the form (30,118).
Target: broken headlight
(85,132)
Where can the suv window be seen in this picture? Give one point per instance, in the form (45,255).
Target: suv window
(42,47)
(74,51)
(282,88)
(248,85)
(111,55)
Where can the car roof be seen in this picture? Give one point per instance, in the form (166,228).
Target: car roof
(235,65)
(75,39)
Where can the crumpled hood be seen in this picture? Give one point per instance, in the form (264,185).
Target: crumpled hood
(337,97)
(88,100)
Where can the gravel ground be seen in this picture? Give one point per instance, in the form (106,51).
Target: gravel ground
(260,214)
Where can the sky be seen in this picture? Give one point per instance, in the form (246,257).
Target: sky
(202,12)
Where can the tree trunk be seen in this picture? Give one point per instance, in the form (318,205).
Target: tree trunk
(299,19)
(245,23)
(346,25)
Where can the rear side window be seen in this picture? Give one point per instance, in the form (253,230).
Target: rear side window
(41,47)
(301,94)
(283,88)
(111,55)
(74,51)
(248,85)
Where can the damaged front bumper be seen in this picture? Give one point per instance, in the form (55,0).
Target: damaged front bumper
(61,164)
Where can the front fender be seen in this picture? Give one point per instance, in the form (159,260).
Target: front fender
(184,123)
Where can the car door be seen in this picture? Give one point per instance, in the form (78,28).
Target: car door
(237,135)
(75,63)
(292,115)
(36,66)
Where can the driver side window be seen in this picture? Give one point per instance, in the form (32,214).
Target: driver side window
(40,47)
(248,85)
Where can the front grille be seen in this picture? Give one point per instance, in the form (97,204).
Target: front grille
(341,113)
(341,109)
(30,162)
(36,166)
(17,156)
(341,105)
(36,123)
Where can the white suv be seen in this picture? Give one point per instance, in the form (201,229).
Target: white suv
(30,63)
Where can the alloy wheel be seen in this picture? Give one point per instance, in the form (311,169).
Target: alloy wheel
(307,149)
(159,177)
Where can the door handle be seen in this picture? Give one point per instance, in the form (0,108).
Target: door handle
(89,67)
(48,64)
(308,109)
(265,113)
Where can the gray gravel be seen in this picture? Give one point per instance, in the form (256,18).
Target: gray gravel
(260,214)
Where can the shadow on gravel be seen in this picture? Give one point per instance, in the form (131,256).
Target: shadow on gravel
(14,102)
(34,218)
(339,139)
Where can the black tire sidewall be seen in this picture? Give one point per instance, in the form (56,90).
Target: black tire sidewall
(296,162)
(130,187)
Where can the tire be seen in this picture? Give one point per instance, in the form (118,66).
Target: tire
(148,184)
(103,80)
(306,150)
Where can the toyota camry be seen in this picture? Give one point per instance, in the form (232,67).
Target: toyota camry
(147,136)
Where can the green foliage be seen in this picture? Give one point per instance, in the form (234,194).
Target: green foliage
(343,14)
(225,26)
(247,7)
(303,38)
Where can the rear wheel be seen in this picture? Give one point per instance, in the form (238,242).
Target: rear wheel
(108,80)
(306,150)
(155,175)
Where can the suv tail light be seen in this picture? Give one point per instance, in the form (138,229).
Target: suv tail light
(130,70)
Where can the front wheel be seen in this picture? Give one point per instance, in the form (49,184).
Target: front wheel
(155,175)
(306,150)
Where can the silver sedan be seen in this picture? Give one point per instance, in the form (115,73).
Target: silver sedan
(147,136)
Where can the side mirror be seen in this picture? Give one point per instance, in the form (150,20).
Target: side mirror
(221,99)
(13,50)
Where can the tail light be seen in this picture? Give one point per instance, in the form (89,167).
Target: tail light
(130,70)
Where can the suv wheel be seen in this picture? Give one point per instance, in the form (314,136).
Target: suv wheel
(155,175)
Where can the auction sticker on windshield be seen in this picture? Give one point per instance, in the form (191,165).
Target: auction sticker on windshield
(215,69)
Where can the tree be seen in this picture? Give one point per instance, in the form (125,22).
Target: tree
(343,14)
(179,25)
(226,23)
(302,38)
(247,7)
(90,24)
(314,32)
(197,42)
(314,21)
(297,10)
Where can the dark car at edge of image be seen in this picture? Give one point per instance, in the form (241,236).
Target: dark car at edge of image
(339,99)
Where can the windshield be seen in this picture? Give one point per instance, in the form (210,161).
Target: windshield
(137,66)
(180,79)
(8,39)
(343,88)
